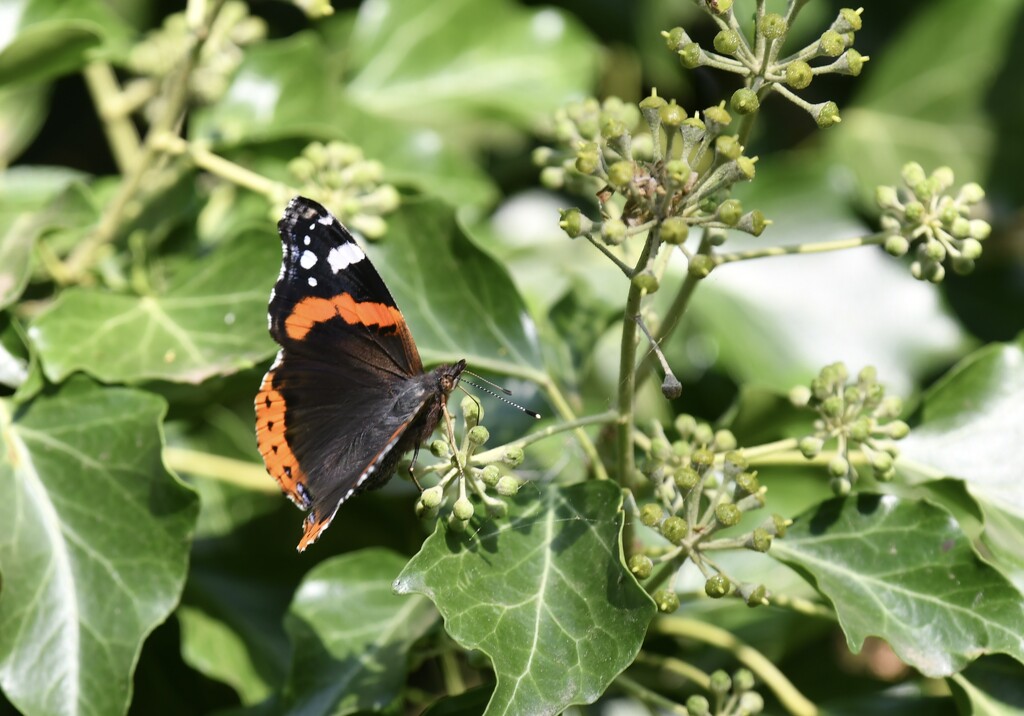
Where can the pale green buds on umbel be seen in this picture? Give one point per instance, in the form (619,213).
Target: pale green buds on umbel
(798,74)
(667,601)
(463,509)
(727,42)
(744,101)
(772,26)
(641,566)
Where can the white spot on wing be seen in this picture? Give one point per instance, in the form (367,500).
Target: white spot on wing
(308,259)
(312,281)
(327,219)
(306,240)
(344,256)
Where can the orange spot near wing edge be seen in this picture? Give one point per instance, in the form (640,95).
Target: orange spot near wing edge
(314,310)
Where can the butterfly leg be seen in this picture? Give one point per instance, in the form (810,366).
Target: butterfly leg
(412,467)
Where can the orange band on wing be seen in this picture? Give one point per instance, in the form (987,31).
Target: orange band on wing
(313,310)
(277,454)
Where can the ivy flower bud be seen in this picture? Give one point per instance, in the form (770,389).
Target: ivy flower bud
(970,249)
(831,44)
(898,429)
(490,475)
(747,484)
(971,193)
(574,223)
(717,118)
(672,115)
(912,173)
(849,20)
(666,600)
(698,705)
(478,435)
(851,63)
(772,26)
(651,514)
(691,56)
(678,172)
(456,524)
(674,529)
(798,74)
(507,486)
(897,245)
(826,114)
(700,266)
(978,229)
(674,230)
(719,7)
(838,466)
(646,281)
(728,514)
(620,174)
(431,497)
(810,446)
(760,540)
(675,38)
(744,101)
(753,223)
(758,596)
(886,197)
(463,509)
(717,587)
(641,566)
(439,448)
(728,146)
(513,456)
(613,231)
(729,212)
(727,42)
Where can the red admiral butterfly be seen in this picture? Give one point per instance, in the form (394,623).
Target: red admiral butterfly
(346,396)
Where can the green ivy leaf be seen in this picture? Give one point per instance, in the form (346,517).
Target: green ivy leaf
(94,539)
(352,634)
(459,302)
(210,321)
(990,687)
(543,593)
(905,572)
(444,62)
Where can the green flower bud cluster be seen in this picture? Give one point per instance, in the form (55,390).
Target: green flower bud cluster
(682,162)
(926,215)
(832,52)
(487,477)
(164,49)
(339,176)
(858,416)
(742,699)
(701,484)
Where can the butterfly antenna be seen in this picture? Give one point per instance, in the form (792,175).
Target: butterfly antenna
(497,395)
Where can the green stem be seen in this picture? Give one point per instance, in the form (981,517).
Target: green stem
(802,606)
(815,248)
(122,135)
(641,692)
(790,698)
(223,168)
(627,384)
(561,405)
(676,668)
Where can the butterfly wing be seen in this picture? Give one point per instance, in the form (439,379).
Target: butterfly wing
(348,381)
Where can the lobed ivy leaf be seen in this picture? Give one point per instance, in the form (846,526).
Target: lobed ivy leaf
(459,302)
(211,320)
(905,572)
(542,592)
(990,687)
(972,428)
(351,635)
(94,536)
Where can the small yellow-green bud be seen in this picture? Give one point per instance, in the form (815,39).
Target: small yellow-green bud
(849,20)
(970,249)
(700,266)
(646,280)
(685,425)
(432,496)
(719,7)
(853,62)
(760,540)
(651,514)
(728,146)
(886,197)
(838,466)
(490,475)
(861,429)
(675,37)
(686,478)
(674,230)
(641,566)
(690,56)
(666,600)
(799,74)
(898,429)
(674,529)
(620,174)
(962,265)
(552,177)
(979,229)
(753,222)
(972,193)
(463,509)
(826,114)
(704,435)
(612,128)
(724,440)
(810,446)
(728,514)
(678,171)
(747,484)
(897,245)
(507,486)
(587,162)
(772,25)
(934,250)
(881,462)
(456,524)
(513,456)
(478,435)
(542,156)
(729,212)
(717,587)
(652,101)
(943,177)
(961,228)
(744,101)
(912,173)
(439,448)
(698,705)
(727,42)
(742,680)
(672,115)
(613,231)
(914,211)
(574,223)
(800,395)
(758,596)
(831,44)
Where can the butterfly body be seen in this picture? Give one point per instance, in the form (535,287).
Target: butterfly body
(347,395)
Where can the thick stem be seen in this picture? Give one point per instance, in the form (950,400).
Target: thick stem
(815,248)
